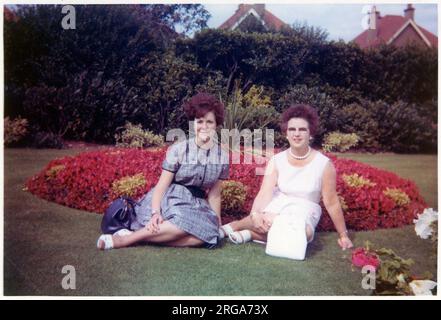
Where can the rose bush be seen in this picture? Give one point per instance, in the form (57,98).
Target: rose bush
(87,182)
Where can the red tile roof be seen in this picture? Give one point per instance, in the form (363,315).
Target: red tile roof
(270,20)
(9,15)
(387,27)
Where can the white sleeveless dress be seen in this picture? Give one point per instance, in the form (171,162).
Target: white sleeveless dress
(298,189)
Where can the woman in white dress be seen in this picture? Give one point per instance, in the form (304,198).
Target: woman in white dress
(294,182)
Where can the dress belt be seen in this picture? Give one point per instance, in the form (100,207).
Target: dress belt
(195,191)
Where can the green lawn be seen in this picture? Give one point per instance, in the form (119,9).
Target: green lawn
(41,237)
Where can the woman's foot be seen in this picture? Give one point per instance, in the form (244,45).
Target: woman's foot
(105,242)
(240,237)
(225,230)
(108,242)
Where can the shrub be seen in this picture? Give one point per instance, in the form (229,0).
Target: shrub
(52,172)
(134,136)
(398,196)
(233,198)
(15,130)
(49,140)
(341,142)
(251,110)
(356,181)
(128,186)
(403,129)
(359,119)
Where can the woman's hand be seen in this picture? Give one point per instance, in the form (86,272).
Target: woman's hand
(154,222)
(260,223)
(345,243)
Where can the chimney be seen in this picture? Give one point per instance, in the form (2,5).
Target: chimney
(374,17)
(260,9)
(409,13)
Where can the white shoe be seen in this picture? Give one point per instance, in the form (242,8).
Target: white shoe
(225,230)
(107,240)
(240,237)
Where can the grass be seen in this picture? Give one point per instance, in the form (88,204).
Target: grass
(41,237)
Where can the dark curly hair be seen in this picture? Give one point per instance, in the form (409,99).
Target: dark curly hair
(202,103)
(303,111)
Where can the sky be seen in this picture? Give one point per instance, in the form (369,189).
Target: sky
(341,21)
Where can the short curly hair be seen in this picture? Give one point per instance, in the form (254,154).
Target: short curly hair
(303,111)
(202,103)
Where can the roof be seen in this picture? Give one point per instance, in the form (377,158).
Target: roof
(387,27)
(9,15)
(268,18)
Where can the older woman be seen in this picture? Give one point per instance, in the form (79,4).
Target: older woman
(294,181)
(183,209)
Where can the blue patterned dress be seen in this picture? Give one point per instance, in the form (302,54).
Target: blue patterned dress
(195,170)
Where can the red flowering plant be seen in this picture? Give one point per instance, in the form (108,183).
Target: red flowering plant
(364,256)
(371,198)
(393,274)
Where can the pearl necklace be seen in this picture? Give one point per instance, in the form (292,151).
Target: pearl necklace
(302,157)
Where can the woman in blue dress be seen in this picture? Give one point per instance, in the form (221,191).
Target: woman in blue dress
(183,209)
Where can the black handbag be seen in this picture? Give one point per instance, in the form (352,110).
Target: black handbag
(119,215)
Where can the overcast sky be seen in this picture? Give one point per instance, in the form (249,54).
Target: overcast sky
(341,21)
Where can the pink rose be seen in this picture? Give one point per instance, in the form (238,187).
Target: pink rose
(361,257)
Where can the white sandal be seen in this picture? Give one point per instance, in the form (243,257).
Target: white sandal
(123,232)
(225,230)
(240,237)
(108,242)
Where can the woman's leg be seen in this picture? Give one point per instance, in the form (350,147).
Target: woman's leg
(242,224)
(247,224)
(186,241)
(167,232)
(309,233)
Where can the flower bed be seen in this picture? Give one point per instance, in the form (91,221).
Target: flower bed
(373,198)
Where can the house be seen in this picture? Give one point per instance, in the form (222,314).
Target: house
(9,15)
(253,16)
(395,30)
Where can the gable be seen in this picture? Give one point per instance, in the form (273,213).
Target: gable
(408,35)
(251,24)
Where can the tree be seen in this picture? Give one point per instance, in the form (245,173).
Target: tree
(269,59)
(306,32)
(186,17)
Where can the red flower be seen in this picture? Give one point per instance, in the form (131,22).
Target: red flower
(86,183)
(362,257)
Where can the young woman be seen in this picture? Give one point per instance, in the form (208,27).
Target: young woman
(183,209)
(294,182)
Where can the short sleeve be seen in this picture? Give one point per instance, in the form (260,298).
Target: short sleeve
(171,161)
(225,172)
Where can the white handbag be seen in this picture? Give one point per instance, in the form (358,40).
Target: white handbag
(287,237)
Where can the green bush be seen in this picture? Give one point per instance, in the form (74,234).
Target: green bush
(250,110)
(129,185)
(133,136)
(15,130)
(233,198)
(340,142)
(403,129)
(359,119)
(42,140)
